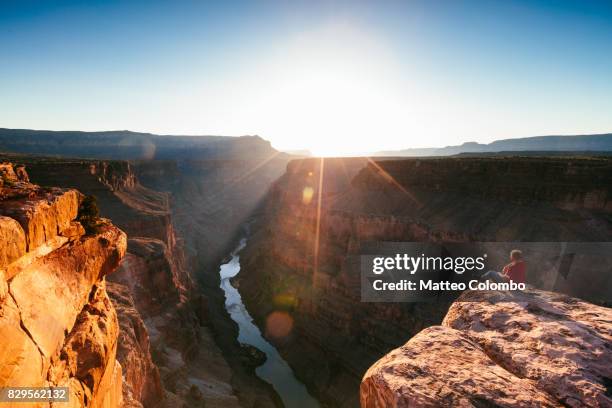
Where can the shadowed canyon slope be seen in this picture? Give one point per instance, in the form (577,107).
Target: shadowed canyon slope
(57,325)
(337,205)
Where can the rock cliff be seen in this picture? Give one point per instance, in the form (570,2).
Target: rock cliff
(152,284)
(531,349)
(303,255)
(57,324)
(168,346)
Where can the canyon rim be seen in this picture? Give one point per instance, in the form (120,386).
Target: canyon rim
(305,204)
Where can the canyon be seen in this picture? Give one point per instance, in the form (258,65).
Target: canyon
(308,220)
(302,260)
(169,347)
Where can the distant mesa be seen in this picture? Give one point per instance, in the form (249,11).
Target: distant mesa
(545,144)
(299,152)
(126,145)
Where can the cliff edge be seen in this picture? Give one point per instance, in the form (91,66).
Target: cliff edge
(498,349)
(58,327)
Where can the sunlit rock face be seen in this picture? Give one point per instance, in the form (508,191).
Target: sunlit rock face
(57,325)
(532,349)
(167,350)
(153,281)
(302,256)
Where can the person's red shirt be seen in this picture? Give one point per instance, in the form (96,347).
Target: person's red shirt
(516,271)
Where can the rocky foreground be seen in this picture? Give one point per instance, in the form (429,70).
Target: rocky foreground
(58,327)
(168,347)
(533,349)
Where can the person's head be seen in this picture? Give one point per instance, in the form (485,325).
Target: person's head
(516,255)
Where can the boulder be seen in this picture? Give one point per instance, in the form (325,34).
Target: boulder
(500,349)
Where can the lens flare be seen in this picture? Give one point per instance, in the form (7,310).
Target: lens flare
(307,195)
(279,325)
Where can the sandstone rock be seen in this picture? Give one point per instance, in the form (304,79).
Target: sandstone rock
(12,241)
(44,215)
(442,367)
(114,395)
(561,343)
(152,274)
(21,363)
(86,362)
(21,174)
(532,349)
(156,269)
(3,289)
(73,231)
(60,282)
(57,325)
(142,384)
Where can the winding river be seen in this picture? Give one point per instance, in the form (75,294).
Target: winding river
(275,370)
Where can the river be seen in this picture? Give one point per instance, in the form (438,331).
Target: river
(275,370)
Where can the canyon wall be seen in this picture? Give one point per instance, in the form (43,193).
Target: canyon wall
(170,347)
(152,290)
(212,200)
(58,327)
(302,259)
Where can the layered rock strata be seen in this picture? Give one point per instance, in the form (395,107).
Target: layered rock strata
(164,318)
(57,326)
(303,256)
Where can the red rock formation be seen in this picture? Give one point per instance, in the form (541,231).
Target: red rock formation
(531,349)
(86,364)
(142,382)
(57,325)
(157,275)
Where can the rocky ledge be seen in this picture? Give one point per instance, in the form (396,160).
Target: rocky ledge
(497,349)
(58,327)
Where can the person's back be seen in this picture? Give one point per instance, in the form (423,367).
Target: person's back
(516,271)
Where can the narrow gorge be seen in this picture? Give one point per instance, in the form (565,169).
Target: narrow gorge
(176,312)
(303,256)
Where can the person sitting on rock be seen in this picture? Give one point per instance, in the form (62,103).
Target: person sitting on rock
(515,271)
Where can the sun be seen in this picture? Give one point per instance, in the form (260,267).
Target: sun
(331,91)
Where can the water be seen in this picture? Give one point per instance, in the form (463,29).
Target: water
(275,370)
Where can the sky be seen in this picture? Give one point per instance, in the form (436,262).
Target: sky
(334,77)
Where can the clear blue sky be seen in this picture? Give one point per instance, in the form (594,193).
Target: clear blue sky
(331,76)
